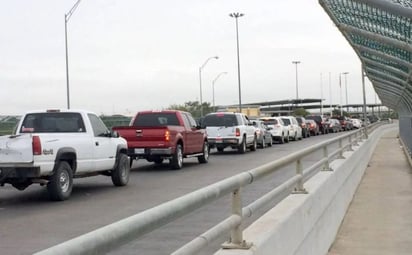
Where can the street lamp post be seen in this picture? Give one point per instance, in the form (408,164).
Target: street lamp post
(346,90)
(200,82)
(237,15)
(66,19)
(340,94)
(297,88)
(213,87)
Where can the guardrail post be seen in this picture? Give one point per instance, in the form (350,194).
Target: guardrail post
(350,143)
(340,150)
(299,189)
(365,130)
(236,235)
(356,139)
(326,166)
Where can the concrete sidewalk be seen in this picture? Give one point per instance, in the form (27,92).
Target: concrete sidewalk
(379,218)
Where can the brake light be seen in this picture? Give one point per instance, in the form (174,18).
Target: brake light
(36,145)
(167,135)
(237,132)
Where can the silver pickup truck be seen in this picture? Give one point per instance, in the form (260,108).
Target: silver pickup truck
(52,147)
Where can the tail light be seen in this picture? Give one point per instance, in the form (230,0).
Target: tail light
(36,144)
(237,132)
(167,135)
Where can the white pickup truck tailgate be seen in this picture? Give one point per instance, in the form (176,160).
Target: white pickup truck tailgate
(16,149)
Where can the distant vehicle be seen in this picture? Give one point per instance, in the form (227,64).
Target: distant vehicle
(278,129)
(334,125)
(320,121)
(313,127)
(357,123)
(305,129)
(52,147)
(295,131)
(264,137)
(168,134)
(345,123)
(230,129)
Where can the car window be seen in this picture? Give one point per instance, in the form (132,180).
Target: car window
(58,122)
(156,119)
(99,129)
(286,121)
(220,120)
(270,121)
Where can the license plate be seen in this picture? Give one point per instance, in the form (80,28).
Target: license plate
(139,151)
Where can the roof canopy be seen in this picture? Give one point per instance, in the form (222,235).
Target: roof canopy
(380,33)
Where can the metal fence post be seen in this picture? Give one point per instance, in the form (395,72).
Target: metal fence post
(340,150)
(350,143)
(299,187)
(236,234)
(357,138)
(326,166)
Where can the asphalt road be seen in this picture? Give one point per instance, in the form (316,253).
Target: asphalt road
(29,222)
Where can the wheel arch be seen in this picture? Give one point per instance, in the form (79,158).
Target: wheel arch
(67,154)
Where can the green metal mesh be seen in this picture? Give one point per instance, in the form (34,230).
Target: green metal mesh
(387,64)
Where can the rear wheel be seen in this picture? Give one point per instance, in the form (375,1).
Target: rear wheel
(61,182)
(177,159)
(282,139)
(242,146)
(158,161)
(120,174)
(204,158)
(220,149)
(270,142)
(254,145)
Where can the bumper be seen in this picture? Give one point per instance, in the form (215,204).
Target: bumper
(8,173)
(223,142)
(149,152)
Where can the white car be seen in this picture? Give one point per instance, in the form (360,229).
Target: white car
(357,123)
(277,128)
(295,131)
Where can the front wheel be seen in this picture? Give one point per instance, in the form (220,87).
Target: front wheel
(204,158)
(120,174)
(61,182)
(176,162)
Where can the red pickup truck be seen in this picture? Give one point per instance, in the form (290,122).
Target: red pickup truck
(167,134)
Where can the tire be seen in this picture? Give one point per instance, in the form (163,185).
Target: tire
(220,149)
(158,161)
(204,158)
(254,145)
(263,145)
(61,182)
(121,172)
(282,139)
(270,142)
(287,138)
(242,147)
(176,162)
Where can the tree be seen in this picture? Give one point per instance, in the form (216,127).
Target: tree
(193,107)
(300,112)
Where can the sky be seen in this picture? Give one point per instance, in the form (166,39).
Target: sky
(130,55)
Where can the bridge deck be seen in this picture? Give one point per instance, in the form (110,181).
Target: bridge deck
(379,219)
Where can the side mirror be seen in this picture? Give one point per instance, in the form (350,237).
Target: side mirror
(114,134)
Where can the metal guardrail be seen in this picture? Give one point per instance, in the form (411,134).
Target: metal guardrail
(116,234)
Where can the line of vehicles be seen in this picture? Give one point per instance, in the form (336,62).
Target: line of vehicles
(52,147)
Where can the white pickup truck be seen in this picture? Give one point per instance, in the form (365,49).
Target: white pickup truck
(52,147)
